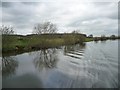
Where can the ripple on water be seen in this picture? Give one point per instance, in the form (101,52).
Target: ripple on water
(94,65)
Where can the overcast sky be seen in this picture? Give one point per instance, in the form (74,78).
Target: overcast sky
(95,18)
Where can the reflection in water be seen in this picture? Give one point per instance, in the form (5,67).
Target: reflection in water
(75,51)
(103,42)
(46,58)
(9,65)
(0,64)
(96,41)
(63,68)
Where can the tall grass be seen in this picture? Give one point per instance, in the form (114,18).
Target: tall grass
(15,42)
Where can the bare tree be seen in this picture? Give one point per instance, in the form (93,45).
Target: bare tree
(6,30)
(75,31)
(44,28)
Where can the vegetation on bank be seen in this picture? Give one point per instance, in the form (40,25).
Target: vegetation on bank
(18,42)
(44,41)
(103,38)
(45,36)
(87,39)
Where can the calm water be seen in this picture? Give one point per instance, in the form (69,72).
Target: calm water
(90,65)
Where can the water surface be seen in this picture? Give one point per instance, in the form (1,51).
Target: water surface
(89,65)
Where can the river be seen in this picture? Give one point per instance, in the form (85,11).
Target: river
(89,65)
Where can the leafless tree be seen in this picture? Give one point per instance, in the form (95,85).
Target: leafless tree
(75,31)
(45,28)
(8,30)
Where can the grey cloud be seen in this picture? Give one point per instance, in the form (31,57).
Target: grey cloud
(102,3)
(7,4)
(30,3)
(104,10)
(18,16)
(0,4)
(68,16)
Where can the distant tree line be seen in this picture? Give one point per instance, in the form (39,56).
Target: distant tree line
(103,37)
(50,28)
(39,28)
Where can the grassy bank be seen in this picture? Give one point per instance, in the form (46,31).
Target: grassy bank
(88,39)
(25,43)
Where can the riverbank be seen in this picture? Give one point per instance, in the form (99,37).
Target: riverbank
(20,43)
(12,43)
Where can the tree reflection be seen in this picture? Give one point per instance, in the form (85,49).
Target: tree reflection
(46,58)
(75,51)
(96,41)
(104,41)
(77,47)
(9,65)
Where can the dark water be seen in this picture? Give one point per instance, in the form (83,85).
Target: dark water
(90,65)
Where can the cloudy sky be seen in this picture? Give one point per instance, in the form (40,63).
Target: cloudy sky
(95,18)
